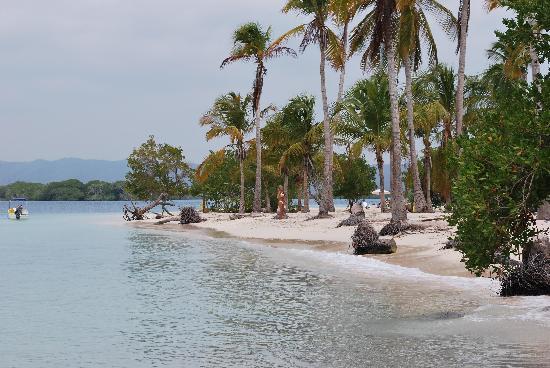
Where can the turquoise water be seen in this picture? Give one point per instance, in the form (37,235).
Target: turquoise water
(86,290)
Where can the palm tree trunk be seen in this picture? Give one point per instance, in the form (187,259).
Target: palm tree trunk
(325,203)
(285,189)
(428,173)
(306,190)
(345,57)
(241,200)
(267,201)
(464,15)
(398,209)
(338,99)
(419,201)
(380,163)
(257,204)
(299,192)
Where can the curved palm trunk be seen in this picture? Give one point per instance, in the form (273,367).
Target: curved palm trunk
(419,202)
(428,173)
(464,14)
(398,209)
(241,200)
(257,205)
(325,203)
(380,164)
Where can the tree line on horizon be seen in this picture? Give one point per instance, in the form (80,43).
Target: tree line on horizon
(67,190)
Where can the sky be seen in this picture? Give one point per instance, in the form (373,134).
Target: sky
(94,78)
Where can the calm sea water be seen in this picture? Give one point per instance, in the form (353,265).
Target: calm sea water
(79,288)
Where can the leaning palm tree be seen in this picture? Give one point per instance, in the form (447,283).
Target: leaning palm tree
(413,29)
(229,116)
(317,31)
(251,42)
(376,33)
(366,121)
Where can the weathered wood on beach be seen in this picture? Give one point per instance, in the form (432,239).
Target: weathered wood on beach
(138,213)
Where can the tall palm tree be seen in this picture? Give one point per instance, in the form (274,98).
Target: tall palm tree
(317,32)
(413,29)
(251,42)
(229,116)
(342,13)
(375,33)
(366,121)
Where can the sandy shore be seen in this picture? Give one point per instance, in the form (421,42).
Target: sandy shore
(419,249)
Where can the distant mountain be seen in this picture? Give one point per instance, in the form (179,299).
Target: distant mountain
(42,171)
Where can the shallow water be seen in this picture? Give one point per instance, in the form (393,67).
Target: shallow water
(80,290)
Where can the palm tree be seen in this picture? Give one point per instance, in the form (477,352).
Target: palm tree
(414,28)
(251,42)
(317,31)
(428,115)
(298,119)
(376,33)
(366,121)
(229,116)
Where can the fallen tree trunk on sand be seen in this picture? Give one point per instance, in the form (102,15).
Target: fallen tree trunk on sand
(136,213)
(188,215)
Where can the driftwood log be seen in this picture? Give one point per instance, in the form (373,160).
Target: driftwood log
(187,215)
(136,213)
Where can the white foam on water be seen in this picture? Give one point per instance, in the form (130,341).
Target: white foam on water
(374,267)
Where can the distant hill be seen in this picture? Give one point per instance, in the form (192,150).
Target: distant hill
(42,171)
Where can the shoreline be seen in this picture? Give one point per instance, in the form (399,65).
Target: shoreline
(420,249)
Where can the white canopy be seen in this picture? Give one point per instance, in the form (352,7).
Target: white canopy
(377,192)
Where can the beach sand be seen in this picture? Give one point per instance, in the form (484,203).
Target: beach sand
(415,249)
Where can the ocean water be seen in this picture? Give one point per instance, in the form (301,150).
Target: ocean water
(81,288)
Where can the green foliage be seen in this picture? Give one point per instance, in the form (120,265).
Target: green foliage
(354,179)
(503,170)
(218,183)
(31,191)
(504,173)
(155,169)
(68,190)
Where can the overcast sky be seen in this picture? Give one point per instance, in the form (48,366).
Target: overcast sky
(94,78)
